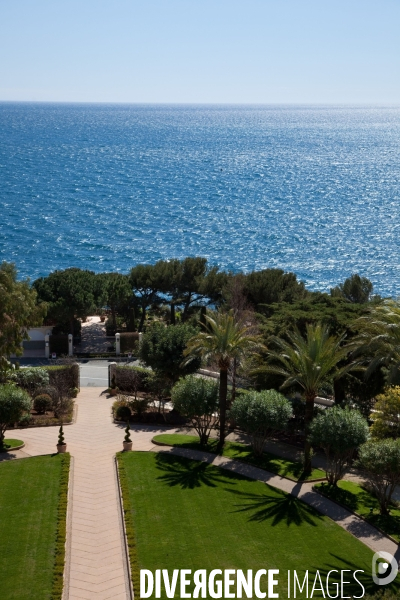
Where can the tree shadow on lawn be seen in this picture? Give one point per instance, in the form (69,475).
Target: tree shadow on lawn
(280,508)
(189,474)
(346,497)
(361,503)
(351,588)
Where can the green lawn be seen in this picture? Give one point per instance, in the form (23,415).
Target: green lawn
(32,527)
(9,444)
(359,500)
(269,462)
(184,514)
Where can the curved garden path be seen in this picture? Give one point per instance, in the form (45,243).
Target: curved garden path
(97,565)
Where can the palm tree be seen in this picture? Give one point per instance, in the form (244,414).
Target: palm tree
(309,362)
(223,339)
(379,339)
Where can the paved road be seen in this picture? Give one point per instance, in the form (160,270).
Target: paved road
(94,373)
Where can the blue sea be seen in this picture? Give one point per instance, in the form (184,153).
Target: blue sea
(314,190)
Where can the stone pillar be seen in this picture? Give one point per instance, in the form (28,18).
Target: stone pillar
(117,344)
(140,338)
(70,345)
(47,345)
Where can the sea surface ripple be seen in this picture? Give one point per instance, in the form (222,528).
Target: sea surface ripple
(314,190)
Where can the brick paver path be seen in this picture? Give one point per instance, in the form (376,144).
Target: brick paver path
(96,560)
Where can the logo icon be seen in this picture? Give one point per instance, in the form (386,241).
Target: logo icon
(384,568)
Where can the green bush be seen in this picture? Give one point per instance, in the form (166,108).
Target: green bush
(14,402)
(129,342)
(197,399)
(42,403)
(25,420)
(339,432)
(123,413)
(134,379)
(260,414)
(380,461)
(31,378)
(127,437)
(386,415)
(65,375)
(139,406)
(162,349)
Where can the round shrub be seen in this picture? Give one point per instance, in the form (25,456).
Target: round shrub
(339,432)
(197,399)
(123,413)
(380,461)
(261,414)
(31,378)
(42,403)
(14,402)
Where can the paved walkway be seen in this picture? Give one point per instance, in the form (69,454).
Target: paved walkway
(93,336)
(96,559)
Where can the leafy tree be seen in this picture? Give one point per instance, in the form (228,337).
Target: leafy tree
(14,402)
(260,414)
(191,282)
(380,461)
(19,311)
(117,293)
(31,379)
(272,285)
(197,399)
(338,314)
(162,349)
(339,432)
(146,287)
(386,416)
(379,339)
(356,391)
(168,275)
(309,362)
(70,294)
(355,289)
(223,340)
(341,318)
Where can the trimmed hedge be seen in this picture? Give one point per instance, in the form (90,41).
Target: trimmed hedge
(125,378)
(61,534)
(129,341)
(70,372)
(129,526)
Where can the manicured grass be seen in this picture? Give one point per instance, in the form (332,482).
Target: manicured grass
(270,462)
(9,444)
(184,514)
(359,500)
(33,501)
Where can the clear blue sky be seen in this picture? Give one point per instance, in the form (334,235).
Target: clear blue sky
(199,51)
